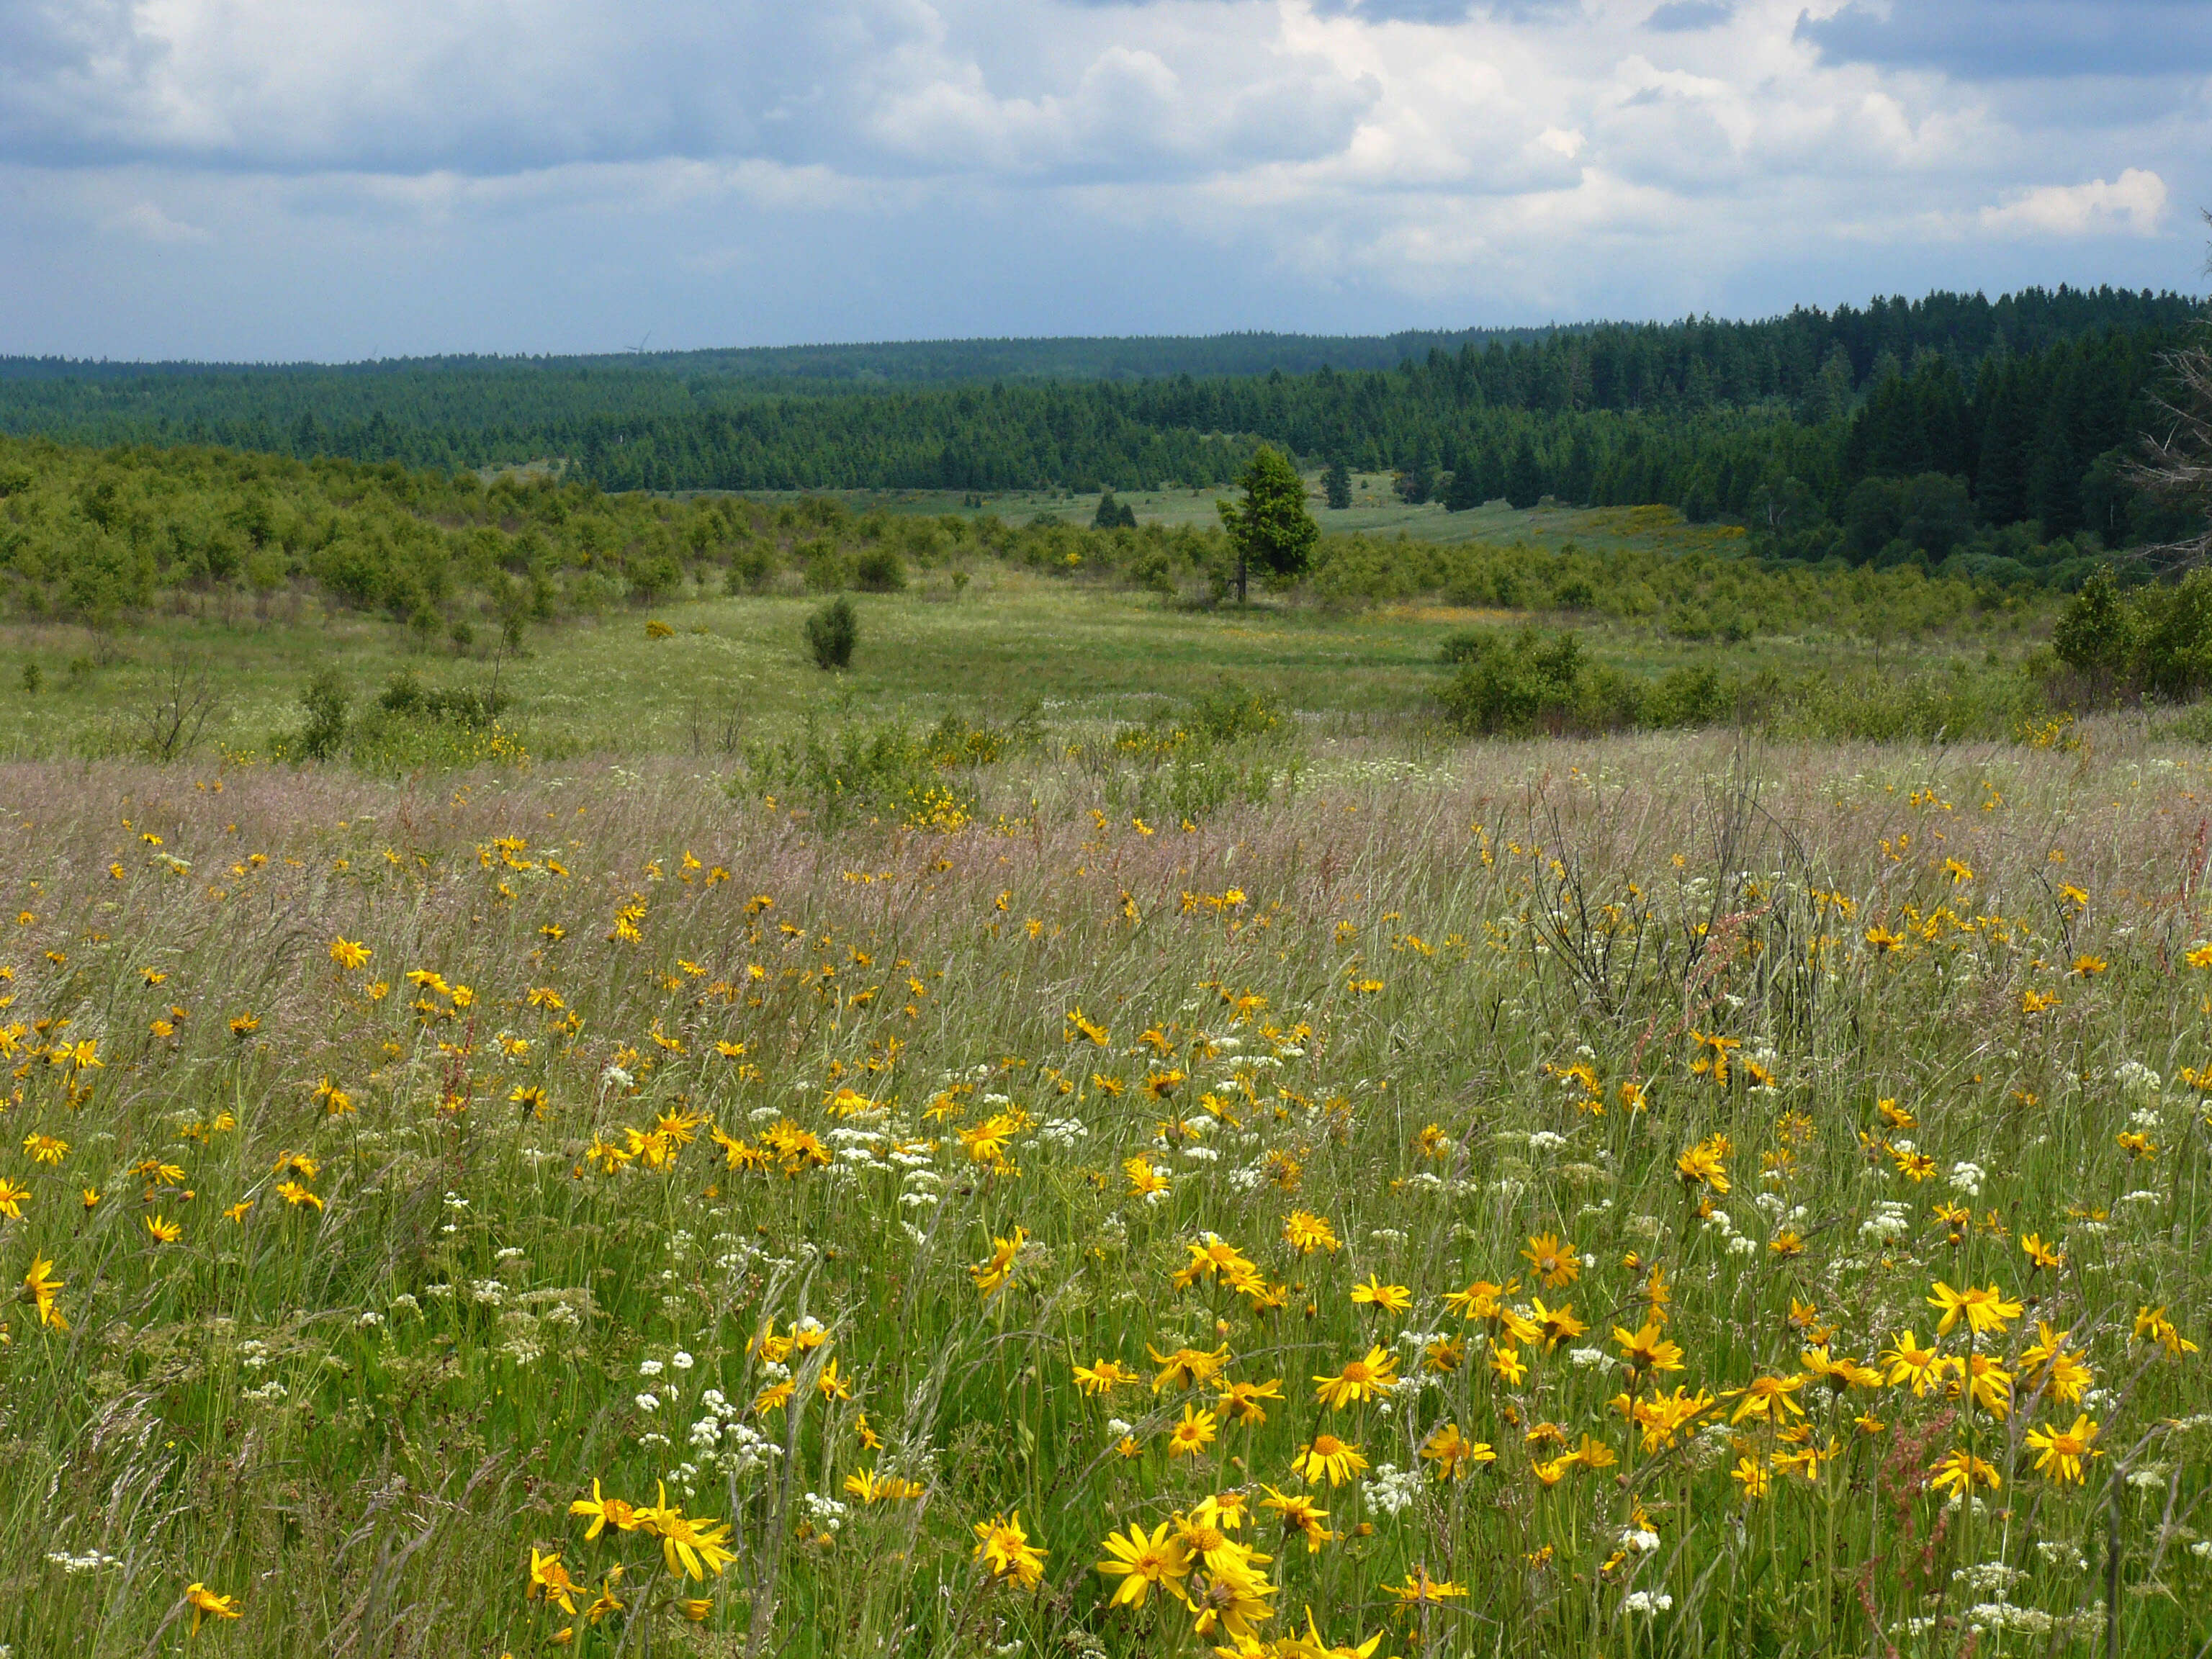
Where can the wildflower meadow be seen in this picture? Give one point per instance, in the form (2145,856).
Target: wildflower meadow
(1661,1195)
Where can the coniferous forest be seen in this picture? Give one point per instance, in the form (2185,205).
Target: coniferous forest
(1994,433)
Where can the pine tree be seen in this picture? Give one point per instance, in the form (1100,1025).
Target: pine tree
(1337,483)
(1270,528)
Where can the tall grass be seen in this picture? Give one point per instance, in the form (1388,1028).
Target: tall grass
(1450,1007)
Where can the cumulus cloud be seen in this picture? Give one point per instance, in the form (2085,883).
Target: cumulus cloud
(2134,202)
(750,169)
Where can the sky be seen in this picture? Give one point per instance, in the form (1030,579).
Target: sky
(336,180)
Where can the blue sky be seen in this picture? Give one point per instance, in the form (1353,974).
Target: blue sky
(285,179)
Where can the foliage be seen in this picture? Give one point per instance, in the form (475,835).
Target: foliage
(1270,528)
(832,634)
(492,1213)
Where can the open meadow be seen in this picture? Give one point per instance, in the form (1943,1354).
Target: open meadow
(1224,1184)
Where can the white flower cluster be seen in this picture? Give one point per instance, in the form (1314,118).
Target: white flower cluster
(92,1561)
(1063,1132)
(1646,1601)
(1393,1490)
(726,1440)
(1968,1177)
(2136,1080)
(827,1513)
(1890,1223)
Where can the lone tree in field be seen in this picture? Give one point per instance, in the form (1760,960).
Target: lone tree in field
(1270,528)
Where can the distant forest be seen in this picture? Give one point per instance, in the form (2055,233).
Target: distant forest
(1950,427)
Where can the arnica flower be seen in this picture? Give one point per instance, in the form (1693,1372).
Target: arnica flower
(1958,1472)
(1556,1264)
(1768,1397)
(206,1604)
(1140,1561)
(1327,1459)
(2060,1453)
(2153,1326)
(992,1276)
(1420,1591)
(1911,1362)
(164,1230)
(1302,1515)
(1752,1476)
(1006,1553)
(604,1512)
(1192,1436)
(1453,1453)
(2046,1365)
(1983,1307)
(1242,1403)
(1359,1382)
(43,1288)
(1187,1367)
(1645,1351)
(549,1578)
(349,954)
(1391,1298)
(1305,1233)
(1104,1376)
(1556,1325)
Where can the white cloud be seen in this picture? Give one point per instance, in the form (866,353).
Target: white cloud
(146,223)
(2135,202)
(748,170)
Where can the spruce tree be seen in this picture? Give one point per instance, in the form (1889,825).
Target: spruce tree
(1270,528)
(1336,482)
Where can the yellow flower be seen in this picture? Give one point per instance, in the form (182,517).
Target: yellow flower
(44,1288)
(1140,1561)
(550,1579)
(206,1603)
(1751,1476)
(1984,1309)
(1452,1452)
(297,1196)
(1392,1298)
(1647,1351)
(604,1512)
(992,1276)
(1556,1264)
(1301,1515)
(2060,1453)
(1958,1471)
(1241,1402)
(1327,1458)
(1420,1591)
(1194,1434)
(13,1198)
(164,1231)
(1305,1233)
(349,954)
(1006,1553)
(1104,1376)
(1359,1382)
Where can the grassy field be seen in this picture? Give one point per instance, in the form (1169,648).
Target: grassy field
(1494,1199)
(710,671)
(1376,510)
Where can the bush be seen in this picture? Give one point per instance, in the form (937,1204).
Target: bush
(879,570)
(832,634)
(1511,685)
(325,700)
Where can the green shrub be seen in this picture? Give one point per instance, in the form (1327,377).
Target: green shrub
(325,701)
(832,634)
(822,566)
(879,570)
